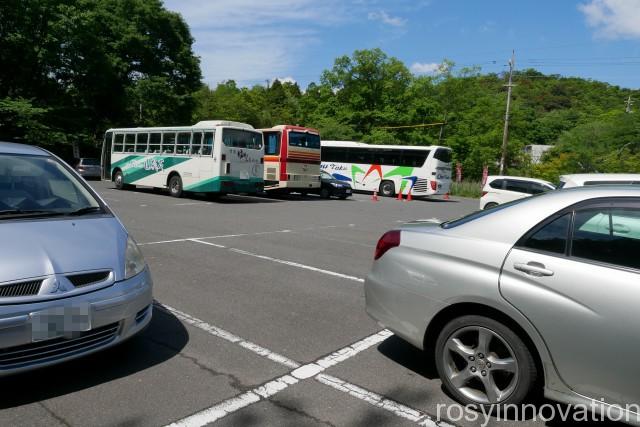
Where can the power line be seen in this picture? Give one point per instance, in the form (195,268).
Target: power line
(411,126)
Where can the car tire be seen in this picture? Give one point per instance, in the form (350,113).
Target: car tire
(175,186)
(490,205)
(387,189)
(495,370)
(118,180)
(325,193)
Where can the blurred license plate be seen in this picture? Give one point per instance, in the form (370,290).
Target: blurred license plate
(348,191)
(60,321)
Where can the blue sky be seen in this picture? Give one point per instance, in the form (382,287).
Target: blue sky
(251,41)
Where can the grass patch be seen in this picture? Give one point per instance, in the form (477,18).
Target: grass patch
(471,189)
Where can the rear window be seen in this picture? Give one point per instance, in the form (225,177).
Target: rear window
(479,214)
(90,162)
(242,139)
(443,154)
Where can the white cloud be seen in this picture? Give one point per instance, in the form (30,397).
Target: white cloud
(613,19)
(425,68)
(385,18)
(250,40)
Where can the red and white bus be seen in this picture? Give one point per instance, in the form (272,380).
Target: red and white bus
(291,159)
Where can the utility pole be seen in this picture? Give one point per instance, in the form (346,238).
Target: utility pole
(505,134)
(629,102)
(140,112)
(442,129)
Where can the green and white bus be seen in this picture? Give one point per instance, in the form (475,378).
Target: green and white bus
(216,157)
(389,169)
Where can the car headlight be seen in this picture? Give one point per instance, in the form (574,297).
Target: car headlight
(333,184)
(133,260)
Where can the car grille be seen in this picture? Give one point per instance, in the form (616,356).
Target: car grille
(422,185)
(58,348)
(86,279)
(21,289)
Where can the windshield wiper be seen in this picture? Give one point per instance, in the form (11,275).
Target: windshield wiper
(85,210)
(21,213)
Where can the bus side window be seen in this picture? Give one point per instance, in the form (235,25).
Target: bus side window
(184,138)
(168,142)
(207,146)
(196,143)
(130,142)
(273,144)
(117,143)
(154,143)
(141,143)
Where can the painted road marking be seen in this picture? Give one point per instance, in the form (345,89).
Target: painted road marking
(192,203)
(295,264)
(228,336)
(382,402)
(207,243)
(298,373)
(270,388)
(213,237)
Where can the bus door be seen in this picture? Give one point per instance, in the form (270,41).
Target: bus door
(105,160)
(202,145)
(271,159)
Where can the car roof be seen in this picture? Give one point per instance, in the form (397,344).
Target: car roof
(13,148)
(510,223)
(521,178)
(582,177)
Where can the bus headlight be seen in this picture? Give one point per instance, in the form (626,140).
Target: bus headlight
(133,260)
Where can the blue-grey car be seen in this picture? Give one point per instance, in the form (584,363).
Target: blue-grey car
(72,280)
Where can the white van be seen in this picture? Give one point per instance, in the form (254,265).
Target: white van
(582,179)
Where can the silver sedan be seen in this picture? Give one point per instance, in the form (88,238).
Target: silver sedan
(541,292)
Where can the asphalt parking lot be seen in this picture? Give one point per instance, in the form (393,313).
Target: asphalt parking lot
(259,320)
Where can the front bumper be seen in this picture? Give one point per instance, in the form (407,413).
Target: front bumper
(117,313)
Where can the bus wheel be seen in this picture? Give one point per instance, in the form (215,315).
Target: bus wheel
(175,186)
(118,180)
(387,189)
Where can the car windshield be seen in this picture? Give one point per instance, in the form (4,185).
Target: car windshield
(90,162)
(325,175)
(482,213)
(40,186)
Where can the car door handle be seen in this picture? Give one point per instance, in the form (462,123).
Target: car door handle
(533,268)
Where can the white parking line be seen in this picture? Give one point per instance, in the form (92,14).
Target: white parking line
(213,237)
(228,336)
(298,373)
(207,243)
(379,401)
(295,264)
(270,388)
(192,203)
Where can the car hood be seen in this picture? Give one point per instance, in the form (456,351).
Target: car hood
(33,248)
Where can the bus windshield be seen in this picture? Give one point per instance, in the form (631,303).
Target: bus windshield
(304,140)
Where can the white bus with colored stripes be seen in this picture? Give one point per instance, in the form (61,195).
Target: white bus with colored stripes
(389,169)
(216,157)
(291,159)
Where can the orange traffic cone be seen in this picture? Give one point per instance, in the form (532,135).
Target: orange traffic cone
(409,198)
(446,196)
(374,198)
(399,195)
